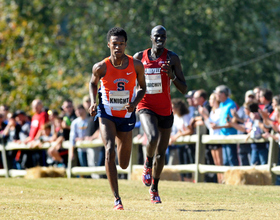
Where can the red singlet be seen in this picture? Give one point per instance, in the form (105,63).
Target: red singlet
(157,97)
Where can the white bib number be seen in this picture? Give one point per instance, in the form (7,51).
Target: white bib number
(118,99)
(154,84)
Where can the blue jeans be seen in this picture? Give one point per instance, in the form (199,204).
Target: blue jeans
(259,153)
(230,155)
(244,154)
(82,156)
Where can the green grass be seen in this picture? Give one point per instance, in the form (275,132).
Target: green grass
(92,199)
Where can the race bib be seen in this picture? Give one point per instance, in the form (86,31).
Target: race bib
(154,84)
(118,99)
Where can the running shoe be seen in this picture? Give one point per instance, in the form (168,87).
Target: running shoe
(147,175)
(155,199)
(118,205)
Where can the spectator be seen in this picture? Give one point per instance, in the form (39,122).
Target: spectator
(23,157)
(4,110)
(226,104)
(275,103)
(96,155)
(244,151)
(180,128)
(200,100)
(37,122)
(2,127)
(77,133)
(23,121)
(189,98)
(53,114)
(259,151)
(257,91)
(11,131)
(58,155)
(276,127)
(213,118)
(69,116)
(192,111)
(93,126)
(11,134)
(266,99)
(46,135)
(2,123)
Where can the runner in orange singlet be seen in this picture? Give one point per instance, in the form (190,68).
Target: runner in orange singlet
(118,98)
(161,67)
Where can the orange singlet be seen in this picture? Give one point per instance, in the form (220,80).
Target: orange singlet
(118,87)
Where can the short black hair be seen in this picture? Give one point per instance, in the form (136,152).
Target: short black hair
(203,94)
(267,93)
(116,31)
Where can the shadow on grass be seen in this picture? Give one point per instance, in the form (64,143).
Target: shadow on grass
(210,210)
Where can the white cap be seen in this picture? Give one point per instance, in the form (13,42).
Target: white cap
(249,93)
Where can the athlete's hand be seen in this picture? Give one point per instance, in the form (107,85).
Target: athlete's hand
(93,109)
(166,69)
(130,107)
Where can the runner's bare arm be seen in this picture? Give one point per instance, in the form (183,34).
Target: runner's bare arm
(139,68)
(98,71)
(175,72)
(138,55)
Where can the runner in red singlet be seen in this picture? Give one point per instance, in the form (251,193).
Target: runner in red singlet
(162,67)
(118,98)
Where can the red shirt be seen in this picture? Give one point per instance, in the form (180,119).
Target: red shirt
(38,120)
(157,97)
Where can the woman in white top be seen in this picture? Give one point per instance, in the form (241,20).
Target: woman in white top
(180,128)
(181,120)
(210,121)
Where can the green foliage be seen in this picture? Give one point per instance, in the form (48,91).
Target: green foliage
(47,48)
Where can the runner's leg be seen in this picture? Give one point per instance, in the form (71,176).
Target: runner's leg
(164,135)
(124,144)
(150,125)
(108,134)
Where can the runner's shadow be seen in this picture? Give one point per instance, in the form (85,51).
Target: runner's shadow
(210,210)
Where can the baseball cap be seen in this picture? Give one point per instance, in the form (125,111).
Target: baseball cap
(19,112)
(249,93)
(190,94)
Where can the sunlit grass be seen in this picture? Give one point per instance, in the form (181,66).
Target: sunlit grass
(92,199)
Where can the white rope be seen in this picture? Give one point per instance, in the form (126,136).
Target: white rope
(226,69)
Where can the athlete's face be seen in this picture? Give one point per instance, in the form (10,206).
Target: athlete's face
(158,37)
(117,45)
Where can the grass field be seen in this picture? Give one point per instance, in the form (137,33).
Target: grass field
(92,199)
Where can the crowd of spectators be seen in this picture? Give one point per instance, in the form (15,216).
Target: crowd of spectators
(49,126)
(256,117)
